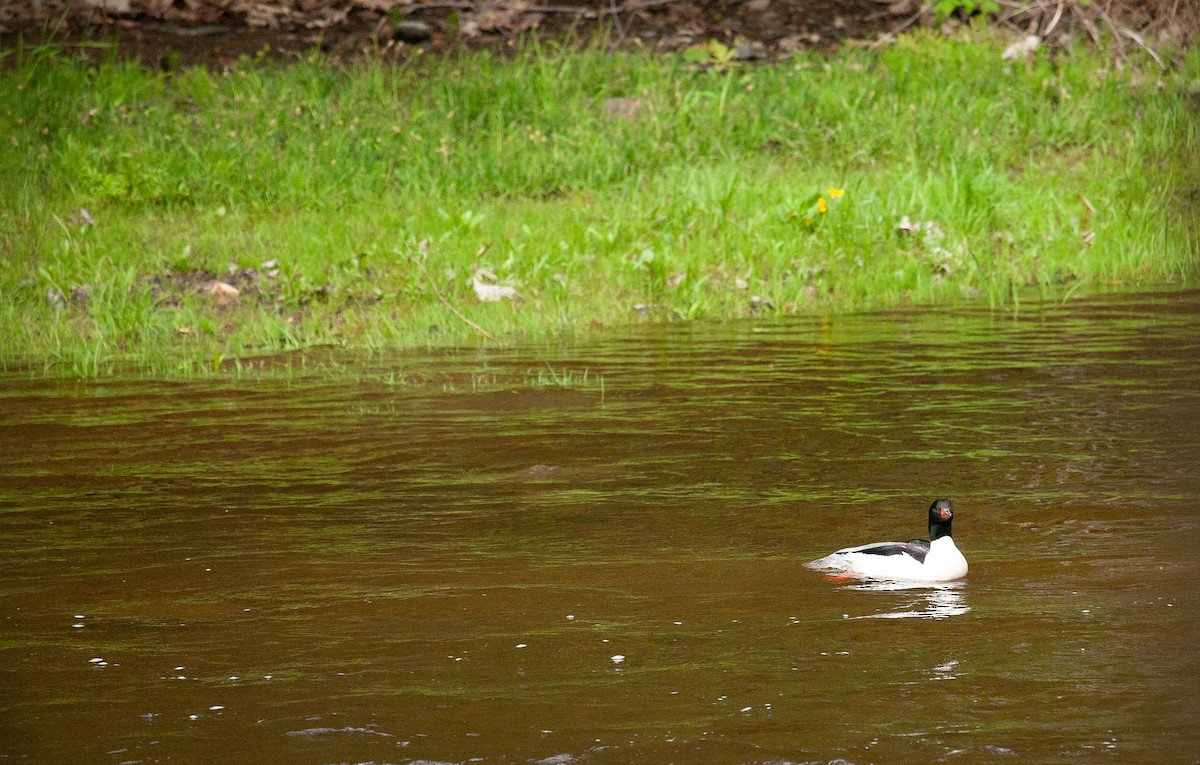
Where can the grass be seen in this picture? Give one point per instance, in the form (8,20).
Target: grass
(930,172)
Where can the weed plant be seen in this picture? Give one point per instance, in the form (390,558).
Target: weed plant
(602,189)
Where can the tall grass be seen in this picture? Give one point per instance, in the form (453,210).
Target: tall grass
(927,172)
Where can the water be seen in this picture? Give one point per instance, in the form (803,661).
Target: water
(468,567)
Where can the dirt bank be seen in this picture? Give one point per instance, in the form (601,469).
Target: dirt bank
(217,32)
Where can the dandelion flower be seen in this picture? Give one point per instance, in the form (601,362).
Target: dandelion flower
(835,193)
(821,206)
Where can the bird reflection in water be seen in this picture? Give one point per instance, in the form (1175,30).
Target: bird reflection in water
(928,601)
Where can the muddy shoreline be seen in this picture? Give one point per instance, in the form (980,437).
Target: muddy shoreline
(217,34)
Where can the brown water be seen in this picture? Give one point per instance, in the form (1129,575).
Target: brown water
(305,572)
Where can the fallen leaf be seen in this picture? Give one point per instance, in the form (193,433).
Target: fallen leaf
(185,330)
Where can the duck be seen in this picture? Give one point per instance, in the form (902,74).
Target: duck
(918,560)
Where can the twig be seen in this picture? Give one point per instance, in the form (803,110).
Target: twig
(1087,24)
(1142,42)
(584,12)
(424,246)
(905,25)
(648,4)
(621,28)
(1054,21)
(449,4)
(1116,34)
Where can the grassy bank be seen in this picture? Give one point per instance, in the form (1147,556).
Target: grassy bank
(584,190)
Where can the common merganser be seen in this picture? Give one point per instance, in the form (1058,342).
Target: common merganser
(937,560)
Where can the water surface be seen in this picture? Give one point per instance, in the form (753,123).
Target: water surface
(470,567)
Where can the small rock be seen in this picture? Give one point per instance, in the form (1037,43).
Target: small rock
(80,293)
(223,294)
(55,299)
(201,30)
(790,44)
(746,52)
(412,31)
(115,7)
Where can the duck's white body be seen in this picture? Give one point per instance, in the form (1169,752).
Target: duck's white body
(898,560)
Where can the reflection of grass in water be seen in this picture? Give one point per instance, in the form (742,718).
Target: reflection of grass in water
(546,378)
(567,378)
(734,193)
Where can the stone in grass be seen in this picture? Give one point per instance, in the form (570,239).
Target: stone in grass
(410,31)
(413,31)
(223,294)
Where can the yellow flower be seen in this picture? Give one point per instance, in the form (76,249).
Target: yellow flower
(821,207)
(835,193)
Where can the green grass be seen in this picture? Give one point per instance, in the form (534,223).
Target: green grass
(311,186)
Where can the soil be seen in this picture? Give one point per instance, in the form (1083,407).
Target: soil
(216,33)
(752,29)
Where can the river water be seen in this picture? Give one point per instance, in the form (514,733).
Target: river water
(487,557)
